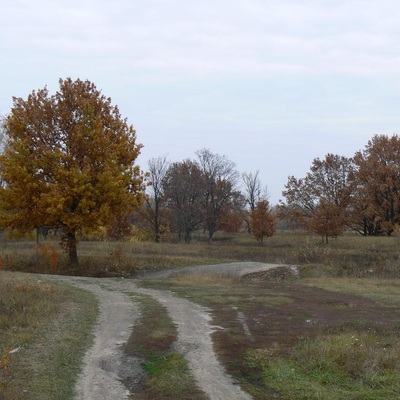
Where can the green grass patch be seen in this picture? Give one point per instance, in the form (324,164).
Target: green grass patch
(358,365)
(169,378)
(167,373)
(47,328)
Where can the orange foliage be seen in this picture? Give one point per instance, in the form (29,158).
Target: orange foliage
(69,162)
(48,253)
(328,220)
(319,201)
(262,221)
(231,221)
(376,207)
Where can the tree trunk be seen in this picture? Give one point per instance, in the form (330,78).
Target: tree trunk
(157,222)
(71,245)
(188,236)
(157,235)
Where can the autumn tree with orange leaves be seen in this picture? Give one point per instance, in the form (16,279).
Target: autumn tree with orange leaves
(376,200)
(319,202)
(262,221)
(329,220)
(69,163)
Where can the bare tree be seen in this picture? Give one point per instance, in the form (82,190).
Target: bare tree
(220,178)
(158,168)
(3,134)
(3,142)
(252,194)
(184,193)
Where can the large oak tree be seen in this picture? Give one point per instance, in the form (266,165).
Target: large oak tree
(69,162)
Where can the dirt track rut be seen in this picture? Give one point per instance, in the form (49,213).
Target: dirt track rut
(105,366)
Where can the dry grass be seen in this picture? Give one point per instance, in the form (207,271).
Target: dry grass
(44,331)
(384,291)
(350,255)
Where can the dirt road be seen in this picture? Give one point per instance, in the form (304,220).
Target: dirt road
(109,374)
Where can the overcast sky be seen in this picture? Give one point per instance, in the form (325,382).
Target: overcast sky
(269,84)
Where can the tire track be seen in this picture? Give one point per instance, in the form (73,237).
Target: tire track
(105,364)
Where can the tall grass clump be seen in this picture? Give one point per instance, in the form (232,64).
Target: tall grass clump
(313,251)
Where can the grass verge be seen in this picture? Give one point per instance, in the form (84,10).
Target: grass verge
(167,374)
(45,330)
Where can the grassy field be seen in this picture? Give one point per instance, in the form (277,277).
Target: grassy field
(349,255)
(333,334)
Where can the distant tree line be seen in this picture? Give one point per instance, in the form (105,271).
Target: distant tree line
(203,194)
(361,193)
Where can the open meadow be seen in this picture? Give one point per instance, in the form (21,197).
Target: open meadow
(330,331)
